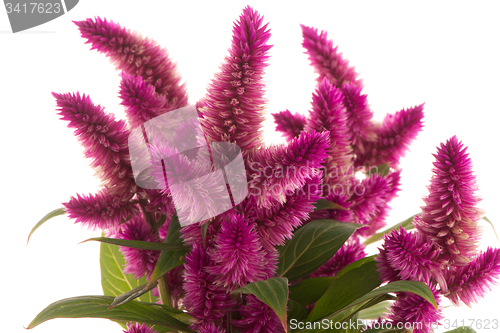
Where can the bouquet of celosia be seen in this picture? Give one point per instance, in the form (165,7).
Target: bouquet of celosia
(205,229)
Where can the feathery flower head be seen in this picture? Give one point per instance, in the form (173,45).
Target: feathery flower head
(105,140)
(469,283)
(410,256)
(204,299)
(450,215)
(290,125)
(328,114)
(138,261)
(139,328)
(210,328)
(233,107)
(257,317)
(394,136)
(410,308)
(135,55)
(281,169)
(238,255)
(101,210)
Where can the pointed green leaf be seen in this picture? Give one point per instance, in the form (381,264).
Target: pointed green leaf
(273,292)
(140,244)
(407,224)
(346,289)
(322,204)
(312,246)
(54,213)
(462,330)
(97,307)
(374,311)
(310,290)
(296,311)
(160,222)
(356,264)
(169,259)
(132,294)
(114,282)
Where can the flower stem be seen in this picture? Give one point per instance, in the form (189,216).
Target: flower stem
(165,297)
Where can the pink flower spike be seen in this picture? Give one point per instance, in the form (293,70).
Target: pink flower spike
(136,55)
(105,141)
(290,125)
(470,283)
(277,170)
(450,215)
(139,328)
(351,251)
(101,210)
(325,59)
(395,134)
(328,114)
(140,100)
(233,106)
(238,255)
(257,317)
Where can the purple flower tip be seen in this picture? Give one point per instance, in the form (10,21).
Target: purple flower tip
(139,328)
(291,125)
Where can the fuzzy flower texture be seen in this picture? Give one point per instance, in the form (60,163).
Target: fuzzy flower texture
(326,151)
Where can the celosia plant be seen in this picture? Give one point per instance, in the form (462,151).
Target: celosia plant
(290,255)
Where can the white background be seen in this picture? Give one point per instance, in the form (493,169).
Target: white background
(442,53)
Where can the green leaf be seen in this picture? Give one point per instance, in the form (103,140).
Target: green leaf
(382,169)
(322,204)
(407,224)
(310,290)
(169,259)
(462,330)
(345,290)
(160,222)
(356,264)
(54,213)
(492,226)
(312,246)
(114,282)
(273,292)
(140,244)
(296,310)
(132,294)
(97,307)
(374,311)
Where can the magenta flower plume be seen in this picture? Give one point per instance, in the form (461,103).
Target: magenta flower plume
(290,125)
(351,251)
(101,210)
(370,197)
(204,300)
(104,139)
(139,328)
(233,106)
(210,328)
(238,255)
(325,59)
(395,134)
(281,169)
(276,223)
(135,55)
(450,215)
(416,311)
(257,317)
(471,282)
(140,100)
(412,257)
(138,261)
(359,118)
(328,114)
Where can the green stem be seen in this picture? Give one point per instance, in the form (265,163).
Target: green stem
(165,297)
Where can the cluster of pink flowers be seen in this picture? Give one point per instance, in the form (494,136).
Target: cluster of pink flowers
(324,150)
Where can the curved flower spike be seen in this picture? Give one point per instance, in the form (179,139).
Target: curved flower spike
(233,107)
(290,125)
(136,55)
(450,215)
(325,59)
